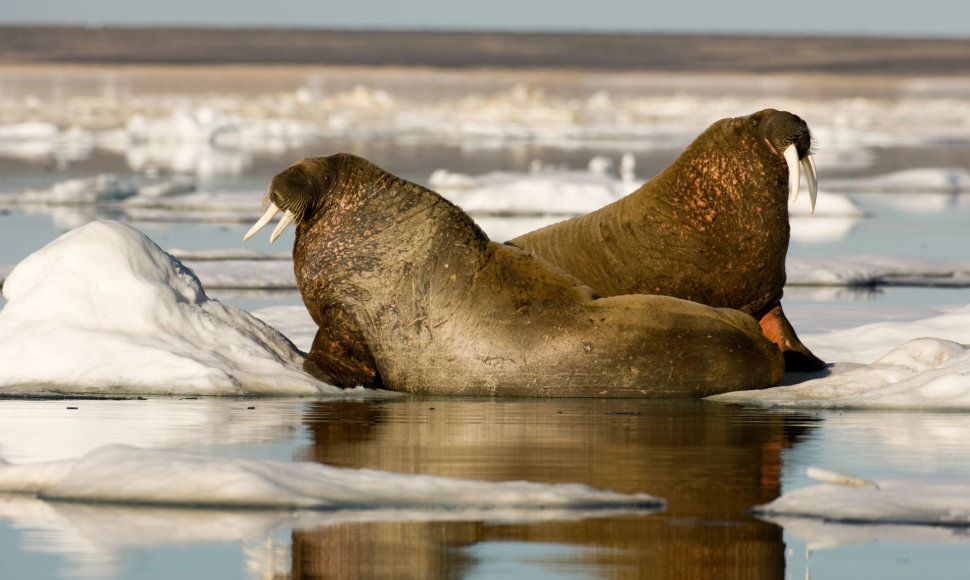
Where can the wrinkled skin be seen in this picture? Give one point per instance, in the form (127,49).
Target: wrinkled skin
(710,228)
(410,295)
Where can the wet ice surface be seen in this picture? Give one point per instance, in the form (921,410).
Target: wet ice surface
(122,474)
(877,284)
(940,501)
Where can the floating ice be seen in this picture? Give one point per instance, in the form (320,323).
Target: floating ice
(100,188)
(920,373)
(864,344)
(245,274)
(128,475)
(541,191)
(910,500)
(153,498)
(872,270)
(103,309)
(820,534)
(923,180)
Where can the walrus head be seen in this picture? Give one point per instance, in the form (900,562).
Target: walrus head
(336,188)
(295,192)
(789,136)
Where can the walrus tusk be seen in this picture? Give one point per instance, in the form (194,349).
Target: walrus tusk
(791,157)
(271,211)
(286,220)
(794,177)
(808,164)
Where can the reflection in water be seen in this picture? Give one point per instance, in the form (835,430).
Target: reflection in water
(711,463)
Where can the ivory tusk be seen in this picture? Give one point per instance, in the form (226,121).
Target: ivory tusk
(811,175)
(271,211)
(791,157)
(285,221)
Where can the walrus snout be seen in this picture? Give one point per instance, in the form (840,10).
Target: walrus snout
(789,134)
(292,191)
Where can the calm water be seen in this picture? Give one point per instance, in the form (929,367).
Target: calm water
(711,463)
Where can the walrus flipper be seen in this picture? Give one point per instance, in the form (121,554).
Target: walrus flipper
(340,356)
(797,356)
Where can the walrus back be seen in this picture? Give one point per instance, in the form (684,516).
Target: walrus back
(601,248)
(548,336)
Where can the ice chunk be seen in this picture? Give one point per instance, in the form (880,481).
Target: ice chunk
(909,500)
(924,373)
(103,309)
(129,475)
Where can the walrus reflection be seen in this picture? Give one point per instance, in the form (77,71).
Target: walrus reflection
(711,463)
(712,227)
(410,295)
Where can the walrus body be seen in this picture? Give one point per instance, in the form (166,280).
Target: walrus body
(711,228)
(410,295)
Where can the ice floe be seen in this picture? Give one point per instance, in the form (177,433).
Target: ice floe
(103,309)
(923,180)
(230,269)
(923,364)
(128,475)
(877,270)
(123,498)
(864,344)
(541,190)
(481,106)
(936,500)
(101,188)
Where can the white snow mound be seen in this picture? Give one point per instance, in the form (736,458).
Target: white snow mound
(924,373)
(103,309)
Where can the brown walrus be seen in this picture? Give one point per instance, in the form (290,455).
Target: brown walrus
(410,295)
(711,228)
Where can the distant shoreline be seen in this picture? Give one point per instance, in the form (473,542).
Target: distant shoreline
(835,55)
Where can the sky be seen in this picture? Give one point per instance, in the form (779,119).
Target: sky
(938,18)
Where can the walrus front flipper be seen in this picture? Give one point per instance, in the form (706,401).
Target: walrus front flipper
(340,357)
(797,356)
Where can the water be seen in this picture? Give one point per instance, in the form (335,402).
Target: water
(710,462)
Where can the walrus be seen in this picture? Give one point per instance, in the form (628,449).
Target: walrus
(410,295)
(711,228)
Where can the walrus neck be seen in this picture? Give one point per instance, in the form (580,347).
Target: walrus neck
(712,179)
(380,224)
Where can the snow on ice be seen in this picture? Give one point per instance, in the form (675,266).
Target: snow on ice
(129,475)
(121,497)
(923,364)
(937,500)
(103,309)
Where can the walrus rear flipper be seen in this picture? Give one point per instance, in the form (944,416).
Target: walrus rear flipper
(340,357)
(797,356)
